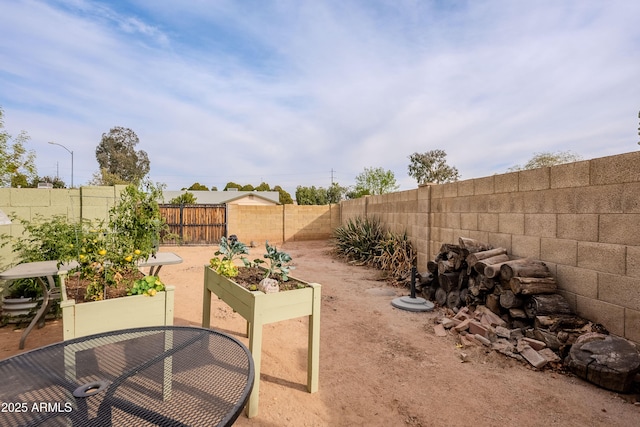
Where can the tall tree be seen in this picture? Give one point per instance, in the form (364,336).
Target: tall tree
(118,158)
(319,196)
(432,167)
(375,181)
(17,164)
(196,186)
(546,159)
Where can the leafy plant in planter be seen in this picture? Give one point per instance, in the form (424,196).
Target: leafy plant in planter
(266,274)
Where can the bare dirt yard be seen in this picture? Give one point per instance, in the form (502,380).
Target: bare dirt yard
(379,366)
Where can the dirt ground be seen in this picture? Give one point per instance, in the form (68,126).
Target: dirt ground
(379,366)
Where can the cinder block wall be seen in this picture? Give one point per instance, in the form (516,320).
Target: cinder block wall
(582,219)
(91,203)
(278,224)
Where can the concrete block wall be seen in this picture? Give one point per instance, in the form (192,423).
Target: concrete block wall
(91,203)
(282,223)
(582,219)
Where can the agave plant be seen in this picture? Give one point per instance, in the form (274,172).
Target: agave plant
(358,239)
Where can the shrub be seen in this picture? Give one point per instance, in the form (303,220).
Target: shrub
(358,239)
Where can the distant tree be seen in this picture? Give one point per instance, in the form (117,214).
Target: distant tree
(196,186)
(432,167)
(262,187)
(247,187)
(546,159)
(183,199)
(118,159)
(311,195)
(319,196)
(17,164)
(335,193)
(214,188)
(375,181)
(285,197)
(232,185)
(56,181)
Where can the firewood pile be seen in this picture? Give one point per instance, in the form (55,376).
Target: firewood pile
(510,305)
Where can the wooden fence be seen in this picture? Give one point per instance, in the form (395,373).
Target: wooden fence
(195,224)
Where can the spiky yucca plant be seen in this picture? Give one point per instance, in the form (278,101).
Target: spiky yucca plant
(358,239)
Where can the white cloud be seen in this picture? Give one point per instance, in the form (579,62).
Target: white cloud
(286,91)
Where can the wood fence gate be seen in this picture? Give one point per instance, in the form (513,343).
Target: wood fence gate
(195,224)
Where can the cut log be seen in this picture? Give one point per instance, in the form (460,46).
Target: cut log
(445,266)
(473,258)
(510,300)
(608,361)
(486,284)
(559,322)
(524,268)
(533,285)
(493,270)
(441,297)
(542,305)
(449,281)
(463,279)
(492,302)
(481,265)
(517,313)
(463,296)
(432,266)
(453,299)
(473,245)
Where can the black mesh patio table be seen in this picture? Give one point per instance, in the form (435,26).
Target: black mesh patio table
(168,376)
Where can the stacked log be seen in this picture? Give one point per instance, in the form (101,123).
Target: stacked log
(473,273)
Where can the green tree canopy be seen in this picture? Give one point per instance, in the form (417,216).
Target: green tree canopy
(285,197)
(432,167)
(375,181)
(118,160)
(232,184)
(183,199)
(196,186)
(546,159)
(319,196)
(17,164)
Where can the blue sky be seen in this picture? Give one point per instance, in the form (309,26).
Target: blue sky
(287,91)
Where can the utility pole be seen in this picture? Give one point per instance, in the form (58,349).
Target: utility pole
(332,171)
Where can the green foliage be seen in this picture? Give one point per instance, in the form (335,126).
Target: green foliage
(231,184)
(214,188)
(432,167)
(364,241)
(319,196)
(17,164)
(231,248)
(262,187)
(375,181)
(118,159)
(278,263)
(224,267)
(106,254)
(183,199)
(136,218)
(546,159)
(285,197)
(358,239)
(247,187)
(196,186)
(148,286)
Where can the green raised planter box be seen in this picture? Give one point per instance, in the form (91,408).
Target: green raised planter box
(259,309)
(79,320)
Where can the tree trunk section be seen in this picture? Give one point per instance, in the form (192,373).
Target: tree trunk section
(441,297)
(473,258)
(473,245)
(481,265)
(533,285)
(524,268)
(449,281)
(453,299)
(510,300)
(544,305)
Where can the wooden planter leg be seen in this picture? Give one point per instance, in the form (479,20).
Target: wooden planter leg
(255,347)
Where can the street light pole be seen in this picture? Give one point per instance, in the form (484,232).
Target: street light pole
(70,152)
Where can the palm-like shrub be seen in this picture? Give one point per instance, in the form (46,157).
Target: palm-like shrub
(358,239)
